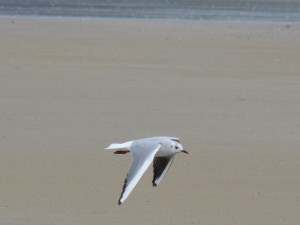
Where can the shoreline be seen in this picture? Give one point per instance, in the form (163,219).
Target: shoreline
(231,21)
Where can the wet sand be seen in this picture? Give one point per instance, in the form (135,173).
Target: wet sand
(70,87)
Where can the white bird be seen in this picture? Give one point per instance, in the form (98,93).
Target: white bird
(160,150)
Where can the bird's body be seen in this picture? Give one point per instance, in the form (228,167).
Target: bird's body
(160,150)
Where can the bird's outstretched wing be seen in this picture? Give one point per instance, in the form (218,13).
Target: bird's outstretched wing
(161,166)
(142,154)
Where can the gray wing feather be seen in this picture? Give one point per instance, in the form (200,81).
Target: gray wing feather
(161,165)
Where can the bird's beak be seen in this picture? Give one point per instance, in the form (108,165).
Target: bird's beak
(186,152)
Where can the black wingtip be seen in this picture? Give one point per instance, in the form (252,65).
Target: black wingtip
(123,189)
(154,184)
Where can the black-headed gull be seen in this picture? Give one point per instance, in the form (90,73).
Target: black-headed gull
(160,150)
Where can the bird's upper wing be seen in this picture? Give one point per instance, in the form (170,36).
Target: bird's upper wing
(175,139)
(162,138)
(142,154)
(161,166)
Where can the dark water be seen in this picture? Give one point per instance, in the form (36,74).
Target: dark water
(217,10)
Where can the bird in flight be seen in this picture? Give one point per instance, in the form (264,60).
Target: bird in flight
(159,150)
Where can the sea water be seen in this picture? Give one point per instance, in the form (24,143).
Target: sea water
(215,10)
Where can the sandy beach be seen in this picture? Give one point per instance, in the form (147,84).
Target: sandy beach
(69,87)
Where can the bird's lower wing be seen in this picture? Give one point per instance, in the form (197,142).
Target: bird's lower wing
(142,154)
(161,166)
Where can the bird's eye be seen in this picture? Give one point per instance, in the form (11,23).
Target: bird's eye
(176,147)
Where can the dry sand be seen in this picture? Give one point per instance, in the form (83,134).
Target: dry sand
(69,87)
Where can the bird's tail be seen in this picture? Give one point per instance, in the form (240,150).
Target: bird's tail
(120,147)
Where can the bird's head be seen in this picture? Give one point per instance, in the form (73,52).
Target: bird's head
(177,147)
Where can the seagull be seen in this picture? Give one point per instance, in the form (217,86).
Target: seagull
(160,150)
